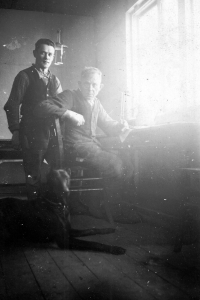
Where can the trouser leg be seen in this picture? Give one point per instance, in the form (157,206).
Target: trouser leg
(32,162)
(112,166)
(117,168)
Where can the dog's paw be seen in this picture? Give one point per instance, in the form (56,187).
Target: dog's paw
(117,250)
(104,230)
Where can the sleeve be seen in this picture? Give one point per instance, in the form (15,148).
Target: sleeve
(58,86)
(12,106)
(106,123)
(55,106)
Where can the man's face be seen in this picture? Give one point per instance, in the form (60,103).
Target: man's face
(44,56)
(90,86)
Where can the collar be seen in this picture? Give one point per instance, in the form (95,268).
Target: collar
(41,74)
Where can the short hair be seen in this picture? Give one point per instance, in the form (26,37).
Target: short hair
(44,42)
(90,70)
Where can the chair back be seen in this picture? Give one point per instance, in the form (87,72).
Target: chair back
(59,157)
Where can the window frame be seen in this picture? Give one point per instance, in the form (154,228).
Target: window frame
(132,34)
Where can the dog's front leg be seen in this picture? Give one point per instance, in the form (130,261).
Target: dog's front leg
(62,233)
(75,244)
(90,231)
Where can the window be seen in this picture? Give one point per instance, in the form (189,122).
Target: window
(163,59)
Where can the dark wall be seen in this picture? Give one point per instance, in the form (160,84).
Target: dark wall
(69,7)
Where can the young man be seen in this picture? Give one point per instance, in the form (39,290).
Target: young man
(31,86)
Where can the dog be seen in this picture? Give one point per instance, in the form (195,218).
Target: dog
(47,219)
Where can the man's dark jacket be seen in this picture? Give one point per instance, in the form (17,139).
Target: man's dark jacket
(28,90)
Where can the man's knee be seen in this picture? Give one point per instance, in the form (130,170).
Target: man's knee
(118,169)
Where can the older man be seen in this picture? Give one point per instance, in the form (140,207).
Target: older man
(33,135)
(81,113)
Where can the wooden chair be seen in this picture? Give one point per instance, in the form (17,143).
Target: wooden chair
(83,178)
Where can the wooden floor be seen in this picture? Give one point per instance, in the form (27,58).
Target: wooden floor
(149,269)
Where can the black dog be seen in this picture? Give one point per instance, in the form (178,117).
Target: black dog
(47,219)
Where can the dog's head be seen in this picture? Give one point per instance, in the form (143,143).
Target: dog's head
(58,183)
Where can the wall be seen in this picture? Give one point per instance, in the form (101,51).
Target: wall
(110,37)
(70,7)
(19,32)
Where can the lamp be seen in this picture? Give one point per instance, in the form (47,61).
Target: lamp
(59,50)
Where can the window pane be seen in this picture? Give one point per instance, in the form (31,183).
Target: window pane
(196,48)
(171,65)
(159,61)
(149,64)
(166,59)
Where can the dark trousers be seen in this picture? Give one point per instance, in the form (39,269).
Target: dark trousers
(114,163)
(33,160)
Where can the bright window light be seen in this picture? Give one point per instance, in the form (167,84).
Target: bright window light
(163,59)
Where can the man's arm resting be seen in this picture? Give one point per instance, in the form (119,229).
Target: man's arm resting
(108,125)
(59,106)
(55,106)
(76,118)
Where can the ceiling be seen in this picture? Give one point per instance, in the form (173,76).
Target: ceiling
(69,7)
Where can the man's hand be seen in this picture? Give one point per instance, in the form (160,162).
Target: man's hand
(76,118)
(123,125)
(15,140)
